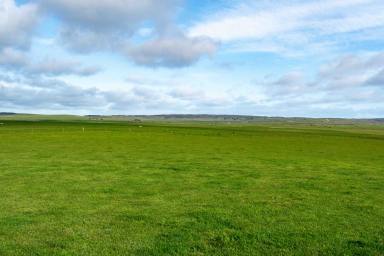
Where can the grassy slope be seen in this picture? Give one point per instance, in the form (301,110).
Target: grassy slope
(121,189)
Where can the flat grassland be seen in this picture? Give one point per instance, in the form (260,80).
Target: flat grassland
(125,188)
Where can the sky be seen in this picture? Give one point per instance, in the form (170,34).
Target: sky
(246,57)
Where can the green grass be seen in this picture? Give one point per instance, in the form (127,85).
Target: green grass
(190,189)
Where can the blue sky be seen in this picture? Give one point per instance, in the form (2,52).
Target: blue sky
(275,58)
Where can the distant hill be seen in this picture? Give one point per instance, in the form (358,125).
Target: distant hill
(238,118)
(195,117)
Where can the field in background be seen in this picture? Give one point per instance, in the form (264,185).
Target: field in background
(106,186)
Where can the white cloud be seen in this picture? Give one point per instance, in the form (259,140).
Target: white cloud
(177,51)
(242,23)
(54,67)
(10,57)
(377,79)
(17,23)
(109,16)
(352,71)
(20,62)
(346,80)
(111,25)
(282,26)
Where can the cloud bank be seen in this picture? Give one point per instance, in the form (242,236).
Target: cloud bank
(111,25)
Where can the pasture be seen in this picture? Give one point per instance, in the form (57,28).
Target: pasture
(126,188)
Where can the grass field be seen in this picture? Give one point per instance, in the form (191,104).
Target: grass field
(124,188)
